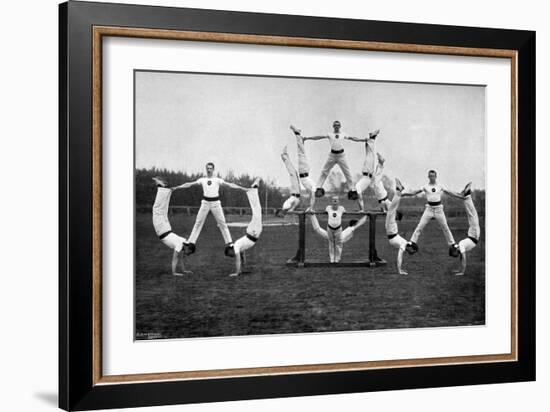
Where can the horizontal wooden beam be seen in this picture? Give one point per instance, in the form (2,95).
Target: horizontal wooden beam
(367,213)
(317,263)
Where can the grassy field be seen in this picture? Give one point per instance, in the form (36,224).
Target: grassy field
(273,298)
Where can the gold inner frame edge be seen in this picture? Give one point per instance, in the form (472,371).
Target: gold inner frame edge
(101,31)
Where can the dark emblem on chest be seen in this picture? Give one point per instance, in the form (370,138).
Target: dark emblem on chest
(334,215)
(433,190)
(209,182)
(337,136)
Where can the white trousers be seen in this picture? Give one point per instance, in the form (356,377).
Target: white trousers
(292,174)
(362,184)
(473,219)
(379,190)
(161,222)
(340,160)
(291,203)
(217,211)
(439,215)
(303,165)
(308,184)
(376,183)
(255,226)
(391,223)
(335,244)
(160,211)
(474,230)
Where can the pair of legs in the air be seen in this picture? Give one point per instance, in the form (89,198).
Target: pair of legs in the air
(392,230)
(373,180)
(253,230)
(163,228)
(474,231)
(298,178)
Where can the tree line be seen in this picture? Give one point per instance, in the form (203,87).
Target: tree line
(145,189)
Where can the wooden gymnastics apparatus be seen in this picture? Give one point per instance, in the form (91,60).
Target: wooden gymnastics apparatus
(299,260)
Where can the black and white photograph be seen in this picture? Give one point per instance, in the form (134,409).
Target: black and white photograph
(289,205)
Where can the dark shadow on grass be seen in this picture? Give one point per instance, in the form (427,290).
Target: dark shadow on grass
(49,398)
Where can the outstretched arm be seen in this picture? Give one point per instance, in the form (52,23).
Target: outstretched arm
(297,131)
(237,264)
(356,139)
(235,186)
(454,194)
(411,193)
(185,185)
(400,262)
(361,222)
(463,264)
(175,258)
(317,228)
(314,137)
(311,207)
(347,233)
(372,135)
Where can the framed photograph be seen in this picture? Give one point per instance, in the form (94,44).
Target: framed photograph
(256,206)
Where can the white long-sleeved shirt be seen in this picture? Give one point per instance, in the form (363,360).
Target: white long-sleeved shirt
(210,186)
(433,192)
(335,216)
(336,140)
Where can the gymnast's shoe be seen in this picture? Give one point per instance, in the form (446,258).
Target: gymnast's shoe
(189,248)
(454,250)
(411,248)
(229,250)
(159,181)
(467,190)
(319,192)
(398,185)
(353,195)
(295,130)
(255,183)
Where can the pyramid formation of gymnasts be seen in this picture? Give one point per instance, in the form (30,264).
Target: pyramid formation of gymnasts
(334,234)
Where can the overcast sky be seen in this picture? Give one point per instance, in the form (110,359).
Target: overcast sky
(241,123)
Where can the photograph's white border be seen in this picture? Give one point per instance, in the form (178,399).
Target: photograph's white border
(122,355)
